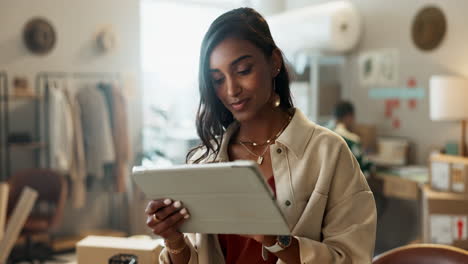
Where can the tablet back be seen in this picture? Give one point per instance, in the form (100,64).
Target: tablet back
(222,198)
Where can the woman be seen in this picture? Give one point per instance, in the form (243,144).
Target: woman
(246,112)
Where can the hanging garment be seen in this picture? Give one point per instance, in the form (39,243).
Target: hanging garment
(78,165)
(60,129)
(98,141)
(117,103)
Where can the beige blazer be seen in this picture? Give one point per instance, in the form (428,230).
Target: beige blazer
(320,191)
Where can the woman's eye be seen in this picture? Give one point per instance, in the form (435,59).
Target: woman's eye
(218,81)
(245,72)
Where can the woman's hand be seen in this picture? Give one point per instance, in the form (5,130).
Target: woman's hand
(165,217)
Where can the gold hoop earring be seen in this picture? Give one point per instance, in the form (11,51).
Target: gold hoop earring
(277,100)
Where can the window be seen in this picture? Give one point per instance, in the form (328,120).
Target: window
(172,32)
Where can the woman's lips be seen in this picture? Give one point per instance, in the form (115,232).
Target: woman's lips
(240,105)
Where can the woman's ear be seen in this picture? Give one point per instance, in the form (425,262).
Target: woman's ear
(277,62)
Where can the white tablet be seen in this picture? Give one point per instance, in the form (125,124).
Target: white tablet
(222,198)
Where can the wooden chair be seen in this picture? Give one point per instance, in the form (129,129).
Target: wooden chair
(423,254)
(47,213)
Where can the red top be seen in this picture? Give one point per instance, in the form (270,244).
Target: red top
(242,250)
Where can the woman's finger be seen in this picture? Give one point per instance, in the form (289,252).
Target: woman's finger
(163,213)
(163,226)
(174,230)
(155,205)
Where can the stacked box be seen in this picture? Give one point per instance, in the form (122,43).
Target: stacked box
(449,173)
(444,217)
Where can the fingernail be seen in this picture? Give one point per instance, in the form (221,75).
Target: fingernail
(167,201)
(187,216)
(183,211)
(148,209)
(177,204)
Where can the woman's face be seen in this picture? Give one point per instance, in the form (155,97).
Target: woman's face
(242,77)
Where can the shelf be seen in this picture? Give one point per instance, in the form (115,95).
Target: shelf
(32,145)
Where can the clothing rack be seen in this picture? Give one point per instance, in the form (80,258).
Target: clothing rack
(43,78)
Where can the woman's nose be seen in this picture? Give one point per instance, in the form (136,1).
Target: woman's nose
(233,88)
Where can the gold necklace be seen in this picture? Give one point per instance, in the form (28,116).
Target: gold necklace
(268,142)
(259,157)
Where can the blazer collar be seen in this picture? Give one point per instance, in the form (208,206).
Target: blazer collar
(294,137)
(297,134)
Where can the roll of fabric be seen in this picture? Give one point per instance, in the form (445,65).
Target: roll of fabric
(16,221)
(331,27)
(4,190)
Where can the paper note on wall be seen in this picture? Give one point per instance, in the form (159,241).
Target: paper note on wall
(440,173)
(441,229)
(459,227)
(379,68)
(367,69)
(458,181)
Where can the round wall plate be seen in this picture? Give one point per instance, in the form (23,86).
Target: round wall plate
(107,39)
(39,36)
(429,27)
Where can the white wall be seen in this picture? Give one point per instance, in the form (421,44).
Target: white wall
(290,4)
(387,24)
(76,23)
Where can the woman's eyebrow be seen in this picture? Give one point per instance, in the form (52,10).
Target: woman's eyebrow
(240,59)
(234,62)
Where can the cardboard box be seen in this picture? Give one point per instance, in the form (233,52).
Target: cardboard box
(444,217)
(449,173)
(390,152)
(398,187)
(99,249)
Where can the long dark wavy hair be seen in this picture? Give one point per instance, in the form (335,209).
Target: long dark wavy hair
(212,116)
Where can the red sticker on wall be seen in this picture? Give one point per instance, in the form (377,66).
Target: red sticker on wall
(388,113)
(388,108)
(396,123)
(411,82)
(412,103)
